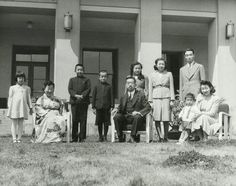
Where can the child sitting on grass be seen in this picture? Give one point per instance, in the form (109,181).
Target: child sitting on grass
(187,116)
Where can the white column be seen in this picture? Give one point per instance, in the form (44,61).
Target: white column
(66,46)
(150,34)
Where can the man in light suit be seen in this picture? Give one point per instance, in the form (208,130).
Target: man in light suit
(190,75)
(132,110)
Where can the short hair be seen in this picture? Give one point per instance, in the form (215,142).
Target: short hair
(209,84)
(48,83)
(103,71)
(79,65)
(189,95)
(130,77)
(157,60)
(189,49)
(20,74)
(141,76)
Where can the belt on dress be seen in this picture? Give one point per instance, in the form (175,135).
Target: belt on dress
(161,86)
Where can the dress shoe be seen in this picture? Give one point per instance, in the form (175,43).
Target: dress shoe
(160,140)
(74,141)
(100,139)
(81,140)
(165,140)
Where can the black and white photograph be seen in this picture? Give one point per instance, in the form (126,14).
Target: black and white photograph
(117,92)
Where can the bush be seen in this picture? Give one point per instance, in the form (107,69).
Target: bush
(191,159)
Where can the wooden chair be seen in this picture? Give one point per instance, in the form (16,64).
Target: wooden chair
(145,131)
(68,119)
(224,121)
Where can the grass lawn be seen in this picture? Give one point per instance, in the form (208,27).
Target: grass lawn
(93,163)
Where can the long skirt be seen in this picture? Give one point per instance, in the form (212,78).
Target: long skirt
(161,109)
(208,124)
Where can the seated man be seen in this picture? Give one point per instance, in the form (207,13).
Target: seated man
(132,110)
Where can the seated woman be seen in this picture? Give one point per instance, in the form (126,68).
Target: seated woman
(50,125)
(206,120)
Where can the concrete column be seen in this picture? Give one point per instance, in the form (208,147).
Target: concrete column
(150,34)
(66,46)
(226,57)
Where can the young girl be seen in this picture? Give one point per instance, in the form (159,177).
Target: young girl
(161,95)
(18,103)
(187,115)
(141,80)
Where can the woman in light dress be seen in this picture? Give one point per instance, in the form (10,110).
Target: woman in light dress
(161,96)
(206,121)
(50,125)
(18,103)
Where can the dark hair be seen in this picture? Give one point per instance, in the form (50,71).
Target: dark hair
(48,83)
(79,65)
(20,74)
(189,49)
(190,95)
(157,60)
(141,76)
(130,77)
(103,71)
(208,83)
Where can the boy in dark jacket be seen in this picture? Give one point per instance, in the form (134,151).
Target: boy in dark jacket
(102,103)
(79,88)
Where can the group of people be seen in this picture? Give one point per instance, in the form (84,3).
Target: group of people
(142,95)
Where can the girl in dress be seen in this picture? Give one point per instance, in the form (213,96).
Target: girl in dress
(141,80)
(161,95)
(18,103)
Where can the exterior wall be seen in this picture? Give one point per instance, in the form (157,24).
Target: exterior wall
(123,42)
(226,57)
(11,37)
(190,5)
(113,3)
(66,46)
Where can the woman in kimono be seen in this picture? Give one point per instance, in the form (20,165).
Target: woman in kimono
(206,122)
(50,125)
(161,95)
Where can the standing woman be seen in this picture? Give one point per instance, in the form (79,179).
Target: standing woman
(141,80)
(18,103)
(161,96)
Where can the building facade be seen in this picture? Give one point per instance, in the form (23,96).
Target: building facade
(112,34)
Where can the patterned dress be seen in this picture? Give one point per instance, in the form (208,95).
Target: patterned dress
(19,101)
(49,122)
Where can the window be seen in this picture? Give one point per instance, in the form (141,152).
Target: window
(95,60)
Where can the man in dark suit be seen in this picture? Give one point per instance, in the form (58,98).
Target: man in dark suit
(79,88)
(132,110)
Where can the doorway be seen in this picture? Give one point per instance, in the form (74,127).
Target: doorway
(174,61)
(34,61)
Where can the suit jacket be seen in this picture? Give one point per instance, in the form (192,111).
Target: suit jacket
(80,86)
(139,102)
(102,96)
(190,79)
(161,85)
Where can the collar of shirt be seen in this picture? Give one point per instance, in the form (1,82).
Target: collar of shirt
(191,64)
(131,93)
